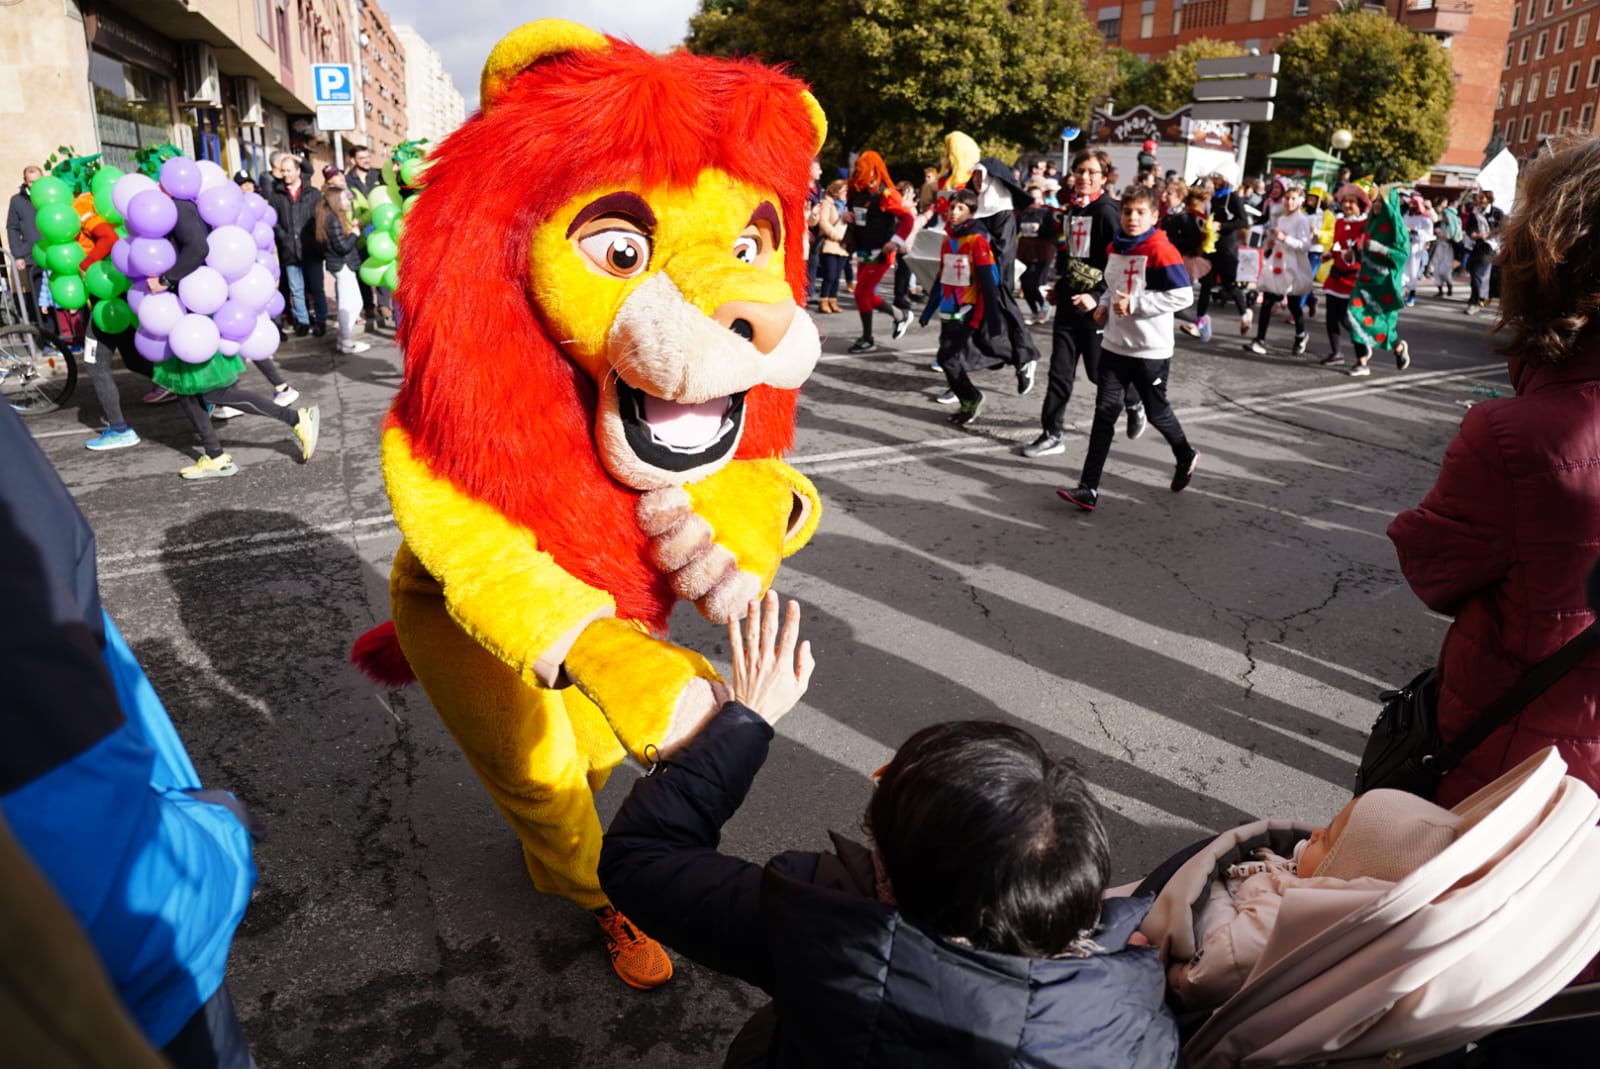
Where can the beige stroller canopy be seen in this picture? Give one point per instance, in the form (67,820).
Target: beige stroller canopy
(1472,941)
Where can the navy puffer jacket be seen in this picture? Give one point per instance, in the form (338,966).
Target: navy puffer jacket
(855,984)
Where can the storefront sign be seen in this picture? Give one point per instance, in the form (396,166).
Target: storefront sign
(132,42)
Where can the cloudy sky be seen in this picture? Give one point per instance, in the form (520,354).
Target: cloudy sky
(463,31)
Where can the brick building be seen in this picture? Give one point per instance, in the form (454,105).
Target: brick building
(1551,72)
(1474,30)
(381,70)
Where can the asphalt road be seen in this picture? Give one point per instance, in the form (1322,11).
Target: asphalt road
(1209,657)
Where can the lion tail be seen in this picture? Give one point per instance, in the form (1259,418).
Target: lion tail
(380,658)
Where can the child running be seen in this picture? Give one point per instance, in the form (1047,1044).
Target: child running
(1288,272)
(1146,283)
(881,224)
(969,286)
(1345,256)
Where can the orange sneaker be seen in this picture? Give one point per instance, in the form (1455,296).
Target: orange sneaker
(639,960)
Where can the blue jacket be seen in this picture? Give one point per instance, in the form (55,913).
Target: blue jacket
(94,781)
(854,983)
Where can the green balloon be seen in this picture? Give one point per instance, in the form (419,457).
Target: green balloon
(379,196)
(50,190)
(383,215)
(391,278)
(64,259)
(105,208)
(103,280)
(113,316)
(57,222)
(39,254)
(381,247)
(410,202)
(104,179)
(396,228)
(68,291)
(410,171)
(371,273)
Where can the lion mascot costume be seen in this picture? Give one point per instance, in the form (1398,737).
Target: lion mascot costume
(604,335)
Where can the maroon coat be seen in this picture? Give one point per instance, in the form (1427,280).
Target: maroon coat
(1504,542)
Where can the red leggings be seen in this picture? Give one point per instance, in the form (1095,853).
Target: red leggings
(867,278)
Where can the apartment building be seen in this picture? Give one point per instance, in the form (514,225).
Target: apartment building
(226,80)
(382,72)
(434,106)
(1550,80)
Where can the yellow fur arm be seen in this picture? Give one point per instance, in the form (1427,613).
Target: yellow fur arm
(651,692)
(503,590)
(720,539)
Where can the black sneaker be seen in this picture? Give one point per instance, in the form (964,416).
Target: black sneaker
(319,330)
(1301,341)
(1332,360)
(901,325)
(1402,355)
(968,412)
(1025,376)
(947,398)
(302,329)
(863,345)
(1085,497)
(1046,445)
(1184,471)
(1137,421)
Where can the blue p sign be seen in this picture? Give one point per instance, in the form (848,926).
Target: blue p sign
(333,83)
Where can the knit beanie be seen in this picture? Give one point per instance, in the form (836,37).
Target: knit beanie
(1390,834)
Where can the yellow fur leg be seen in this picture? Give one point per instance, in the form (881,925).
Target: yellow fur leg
(538,752)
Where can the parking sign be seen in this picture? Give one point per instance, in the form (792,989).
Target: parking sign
(333,83)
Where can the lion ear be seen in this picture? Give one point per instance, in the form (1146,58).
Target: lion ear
(819,121)
(527,45)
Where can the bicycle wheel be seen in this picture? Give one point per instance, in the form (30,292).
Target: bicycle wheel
(34,378)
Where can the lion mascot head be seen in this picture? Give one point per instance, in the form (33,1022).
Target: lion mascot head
(602,290)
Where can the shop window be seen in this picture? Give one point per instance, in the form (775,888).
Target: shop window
(132,108)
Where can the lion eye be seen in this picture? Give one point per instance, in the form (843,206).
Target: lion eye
(623,253)
(747,248)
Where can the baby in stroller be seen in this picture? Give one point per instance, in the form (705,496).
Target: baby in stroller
(1375,840)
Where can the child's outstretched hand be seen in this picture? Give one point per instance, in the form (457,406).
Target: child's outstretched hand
(770,674)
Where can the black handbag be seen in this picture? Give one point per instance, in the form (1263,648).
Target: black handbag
(1404,751)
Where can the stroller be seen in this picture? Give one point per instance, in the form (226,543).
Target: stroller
(1482,938)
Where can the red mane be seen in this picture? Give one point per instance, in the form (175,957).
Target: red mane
(490,402)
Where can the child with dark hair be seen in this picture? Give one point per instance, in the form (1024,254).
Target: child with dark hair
(1146,285)
(971,933)
(966,300)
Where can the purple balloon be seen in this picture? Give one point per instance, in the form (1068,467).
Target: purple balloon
(235,320)
(194,340)
(203,290)
(254,289)
(261,234)
(212,175)
(230,251)
(119,255)
(275,304)
(126,188)
(149,257)
(219,205)
(137,292)
(159,313)
(181,178)
(270,216)
(269,260)
(262,342)
(151,214)
(228,347)
(151,347)
(254,203)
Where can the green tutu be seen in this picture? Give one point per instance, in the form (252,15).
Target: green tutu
(182,377)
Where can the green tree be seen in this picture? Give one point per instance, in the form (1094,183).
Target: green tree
(1365,72)
(1167,84)
(896,75)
